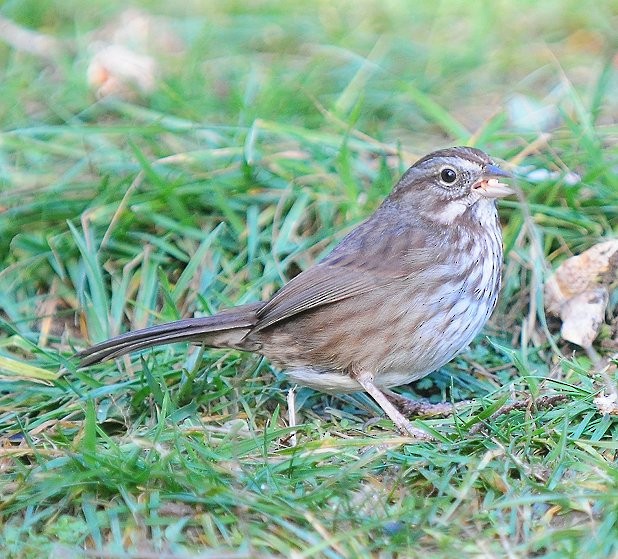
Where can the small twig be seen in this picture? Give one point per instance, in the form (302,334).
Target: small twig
(292,414)
(423,408)
(542,403)
(27,40)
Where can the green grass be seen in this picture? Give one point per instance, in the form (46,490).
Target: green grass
(276,129)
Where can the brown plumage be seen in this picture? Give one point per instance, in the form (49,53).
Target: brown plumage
(399,296)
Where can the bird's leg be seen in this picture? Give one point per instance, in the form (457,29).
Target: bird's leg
(366,381)
(422,408)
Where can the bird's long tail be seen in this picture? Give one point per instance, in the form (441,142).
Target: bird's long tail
(224,329)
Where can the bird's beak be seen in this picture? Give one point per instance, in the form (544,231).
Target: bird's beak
(489,186)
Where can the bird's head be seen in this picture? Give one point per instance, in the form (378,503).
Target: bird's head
(446,184)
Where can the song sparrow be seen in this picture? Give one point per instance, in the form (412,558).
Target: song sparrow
(399,297)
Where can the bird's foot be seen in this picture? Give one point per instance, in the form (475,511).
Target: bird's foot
(404,426)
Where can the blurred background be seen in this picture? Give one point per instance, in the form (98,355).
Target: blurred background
(379,61)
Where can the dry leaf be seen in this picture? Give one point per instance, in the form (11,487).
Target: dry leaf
(117,70)
(607,405)
(579,290)
(128,52)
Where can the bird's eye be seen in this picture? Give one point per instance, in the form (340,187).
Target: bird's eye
(448,175)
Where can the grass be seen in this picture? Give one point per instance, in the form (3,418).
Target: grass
(273,130)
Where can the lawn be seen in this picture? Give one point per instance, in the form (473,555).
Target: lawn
(264,133)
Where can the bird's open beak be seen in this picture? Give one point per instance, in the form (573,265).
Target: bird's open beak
(490,186)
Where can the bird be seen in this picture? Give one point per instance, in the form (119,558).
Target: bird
(397,298)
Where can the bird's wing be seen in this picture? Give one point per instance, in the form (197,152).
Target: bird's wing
(358,265)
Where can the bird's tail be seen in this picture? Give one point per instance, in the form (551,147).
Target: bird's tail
(224,329)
